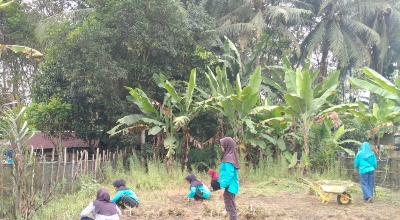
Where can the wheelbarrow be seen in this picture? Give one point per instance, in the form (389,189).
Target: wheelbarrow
(327,192)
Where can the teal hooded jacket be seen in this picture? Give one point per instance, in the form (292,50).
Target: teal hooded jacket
(365,159)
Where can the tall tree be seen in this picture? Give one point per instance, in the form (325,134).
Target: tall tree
(337,32)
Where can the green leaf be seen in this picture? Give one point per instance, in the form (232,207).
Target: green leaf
(255,79)
(339,108)
(290,78)
(181,121)
(260,143)
(293,161)
(130,119)
(141,100)
(250,126)
(296,103)
(350,152)
(375,89)
(281,144)
(171,91)
(249,99)
(338,133)
(318,102)
(190,89)
(238,87)
(288,156)
(154,130)
(382,81)
(332,80)
(212,81)
(306,159)
(5,4)
(152,121)
(269,138)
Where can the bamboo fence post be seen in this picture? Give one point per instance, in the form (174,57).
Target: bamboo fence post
(33,173)
(87,161)
(72,167)
(95,164)
(58,166)
(1,174)
(65,162)
(103,157)
(52,166)
(43,170)
(114,161)
(80,161)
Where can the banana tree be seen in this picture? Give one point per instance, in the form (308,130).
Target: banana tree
(162,120)
(239,105)
(305,103)
(381,119)
(381,86)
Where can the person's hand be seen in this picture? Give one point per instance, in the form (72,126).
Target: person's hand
(221,194)
(355,171)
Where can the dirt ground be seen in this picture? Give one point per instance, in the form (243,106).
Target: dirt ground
(280,205)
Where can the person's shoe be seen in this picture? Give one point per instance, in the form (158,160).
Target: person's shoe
(369,200)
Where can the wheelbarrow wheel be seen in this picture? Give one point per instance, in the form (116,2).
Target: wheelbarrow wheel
(344,198)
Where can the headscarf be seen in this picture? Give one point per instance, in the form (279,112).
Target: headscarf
(365,151)
(230,154)
(102,204)
(191,178)
(213,174)
(120,184)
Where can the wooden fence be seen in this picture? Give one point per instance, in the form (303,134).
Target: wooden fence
(47,171)
(387,173)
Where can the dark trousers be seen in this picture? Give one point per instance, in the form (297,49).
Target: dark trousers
(215,185)
(198,196)
(230,206)
(87,218)
(126,201)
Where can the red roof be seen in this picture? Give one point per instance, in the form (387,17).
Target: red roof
(38,141)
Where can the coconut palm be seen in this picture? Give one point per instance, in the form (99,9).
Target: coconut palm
(338,33)
(246,20)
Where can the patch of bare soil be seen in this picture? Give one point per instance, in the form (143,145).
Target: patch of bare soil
(282,205)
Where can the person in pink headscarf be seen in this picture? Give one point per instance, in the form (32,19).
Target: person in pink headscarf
(214,179)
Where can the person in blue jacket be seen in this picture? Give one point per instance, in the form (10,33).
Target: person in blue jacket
(229,176)
(124,196)
(365,163)
(198,191)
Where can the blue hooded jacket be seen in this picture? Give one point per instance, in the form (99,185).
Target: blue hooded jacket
(365,159)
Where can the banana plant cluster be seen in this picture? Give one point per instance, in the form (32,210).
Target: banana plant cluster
(305,102)
(385,116)
(158,118)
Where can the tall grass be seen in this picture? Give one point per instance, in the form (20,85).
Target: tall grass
(159,185)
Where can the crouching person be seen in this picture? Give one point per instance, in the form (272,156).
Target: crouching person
(101,208)
(198,191)
(124,196)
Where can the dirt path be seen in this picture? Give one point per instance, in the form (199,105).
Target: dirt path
(282,205)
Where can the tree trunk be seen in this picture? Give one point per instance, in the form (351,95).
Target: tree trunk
(1,174)
(142,148)
(323,69)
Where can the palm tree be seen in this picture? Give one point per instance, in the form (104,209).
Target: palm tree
(337,33)
(385,20)
(246,20)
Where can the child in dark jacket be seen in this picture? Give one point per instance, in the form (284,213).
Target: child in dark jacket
(214,179)
(124,196)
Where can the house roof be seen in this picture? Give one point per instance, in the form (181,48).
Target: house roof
(39,141)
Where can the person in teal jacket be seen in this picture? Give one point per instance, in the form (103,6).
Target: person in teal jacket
(198,191)
(229,176)
(365,163)
(124,196)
